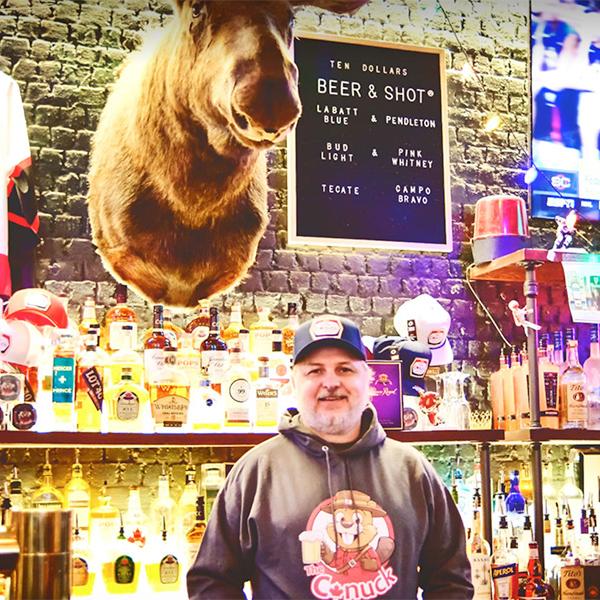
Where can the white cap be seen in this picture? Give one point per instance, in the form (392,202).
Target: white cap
(425,320)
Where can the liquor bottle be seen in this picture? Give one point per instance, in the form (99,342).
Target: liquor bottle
(170,396)
(199,325)
(496,398)
(15,490)
(289,331)
(591,369)
(162,510)
(163,566)
(104,520)
(261,333)
(515,502)
(247,359)
(172,331)
(121,567)
(126,356)
(19,414)
(188,360)
(534,585)
(573,403)
(508,393)
(232,332)
(83,572)
(266,397)
(89,395)
(116,317)
(548,374)
(136,521)
(77,496)
(193,536)
(521,390)
(557,357)
(206,409)
(213,351)
(478,552)
(525,539)
(570,493)
(237,393)
(63,384)
(128,406)
(505,576)
(548,490)
(526,483)
(279,363)
(47,496)
(213,478)
(154,347)
(88,316)
(187,501)
(569,336)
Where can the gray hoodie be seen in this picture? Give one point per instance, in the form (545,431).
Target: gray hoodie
(374,518)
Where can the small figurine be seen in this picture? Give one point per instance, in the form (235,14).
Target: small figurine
(520,316)
(564,232)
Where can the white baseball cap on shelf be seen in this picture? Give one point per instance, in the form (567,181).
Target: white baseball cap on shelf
(425,320)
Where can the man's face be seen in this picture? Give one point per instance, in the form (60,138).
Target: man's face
(332,389)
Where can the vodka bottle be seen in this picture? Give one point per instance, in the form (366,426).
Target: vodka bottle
(508,393)
(548,374)
(572,391)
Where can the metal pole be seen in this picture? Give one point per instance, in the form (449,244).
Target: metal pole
(486,490)
(538,496)
(530,289)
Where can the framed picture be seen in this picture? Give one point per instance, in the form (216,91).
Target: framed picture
(386,392)
(368,159)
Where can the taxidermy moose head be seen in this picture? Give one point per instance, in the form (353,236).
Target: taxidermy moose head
(178,191)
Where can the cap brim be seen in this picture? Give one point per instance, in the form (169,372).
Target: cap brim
(33,316)
(442,355)
(329,342)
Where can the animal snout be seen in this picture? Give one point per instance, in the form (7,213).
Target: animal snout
(267,109)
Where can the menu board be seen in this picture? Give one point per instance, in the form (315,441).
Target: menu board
(368,160)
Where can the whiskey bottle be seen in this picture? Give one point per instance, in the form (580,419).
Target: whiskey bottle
(213,351)
(116,317)
(232,332)
(121,565)
(534,585)
(198,326)
(591,369)
(126,356)
(47,496)
(289,330)
(162,510)
(88,316)
(77,496)
(548,390)
(163,567)
(573,402)
(172,331)
(193,536)
(154,347)
(266,397)
(128,406)
(83,572)
(261,333)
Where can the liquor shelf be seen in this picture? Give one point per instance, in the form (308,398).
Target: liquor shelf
(554,436)
(132,440)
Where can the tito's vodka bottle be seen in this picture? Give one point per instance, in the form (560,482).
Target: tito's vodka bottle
(572,391)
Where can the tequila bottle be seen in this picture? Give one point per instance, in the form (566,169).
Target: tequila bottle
(118,316)
(47,496)
(591,369)
(572,391)
(77,496)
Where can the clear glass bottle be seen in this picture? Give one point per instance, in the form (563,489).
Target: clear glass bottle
(163,508)
(496,398)
(83,569)
(163,566)
(521,390)
(104,521)
(187,502)
(77,496)
(237,393)
(231,333)
(515,503)
(508,394)
(116,317)
(591,369)
(206,407)
(261,333)
(47,496)
(266,396)
(289,331)
(549,378)
(136,521)
(479,554)
(213,478)
(572,391)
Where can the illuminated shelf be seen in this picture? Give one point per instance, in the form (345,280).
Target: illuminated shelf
(556,436)
(511,266)
(229,439)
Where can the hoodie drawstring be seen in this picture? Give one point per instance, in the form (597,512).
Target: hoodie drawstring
(330,487)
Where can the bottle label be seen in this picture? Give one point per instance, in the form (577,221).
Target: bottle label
(79,502)
(199,334)
(169,570)
(189,363)
(63,379)
(216,363)
(262,343)
(506,581)
(481,576)
(23,416)
(80,571)
(266,406)
(10,386)
(116,334)
(154,363)
(124,569)
(93,385)
(550,394)
(239,390)
(128,406)
(169,409)
(575,402)
(571,583)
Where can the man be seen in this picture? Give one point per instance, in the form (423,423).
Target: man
(331,508)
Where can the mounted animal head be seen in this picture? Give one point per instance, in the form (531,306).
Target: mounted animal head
(235,59)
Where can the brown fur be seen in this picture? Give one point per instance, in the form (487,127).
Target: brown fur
(177,198)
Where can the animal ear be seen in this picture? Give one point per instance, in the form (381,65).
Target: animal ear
(338,6)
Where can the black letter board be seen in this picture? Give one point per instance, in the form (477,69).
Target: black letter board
(368,161)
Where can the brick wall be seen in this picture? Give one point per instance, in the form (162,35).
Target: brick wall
(64,55)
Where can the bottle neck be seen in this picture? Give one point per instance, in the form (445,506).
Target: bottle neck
(572,355)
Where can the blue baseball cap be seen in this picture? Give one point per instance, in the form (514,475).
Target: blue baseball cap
(328,330)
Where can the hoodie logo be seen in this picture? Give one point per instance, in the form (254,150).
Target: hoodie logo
(346,548)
